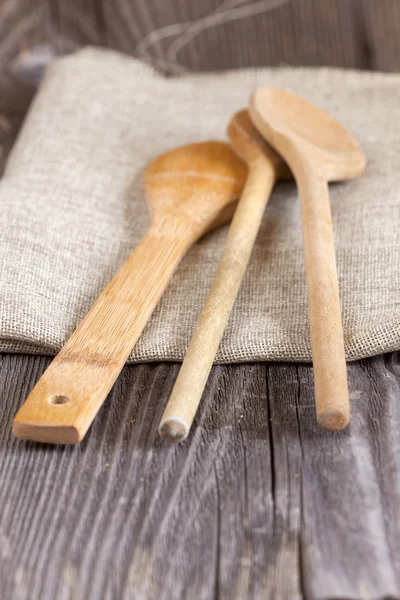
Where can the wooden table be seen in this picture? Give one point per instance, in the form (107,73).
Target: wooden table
(259,502)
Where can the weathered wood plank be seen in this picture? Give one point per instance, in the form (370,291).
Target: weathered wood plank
(212,35)
(258,503)
(380,22)
(127,512)
(350,488)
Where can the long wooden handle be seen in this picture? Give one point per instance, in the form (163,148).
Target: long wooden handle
(64,402)
(330,379)
(186,394)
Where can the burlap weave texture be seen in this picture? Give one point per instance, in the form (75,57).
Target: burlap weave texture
(73,207)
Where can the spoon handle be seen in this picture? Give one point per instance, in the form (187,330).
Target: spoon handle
(330,378)
(186,395)
(67,397)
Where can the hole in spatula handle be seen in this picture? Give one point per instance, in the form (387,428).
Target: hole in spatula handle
(59,399)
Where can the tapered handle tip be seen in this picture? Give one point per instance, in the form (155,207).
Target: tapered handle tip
(173,429)
(334,419)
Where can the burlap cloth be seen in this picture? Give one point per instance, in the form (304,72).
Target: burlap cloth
(73,207)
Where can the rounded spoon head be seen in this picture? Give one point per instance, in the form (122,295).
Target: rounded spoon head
(291,123)
(249,144)
(198,183)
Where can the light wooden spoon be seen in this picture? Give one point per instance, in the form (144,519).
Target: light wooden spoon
(317,150)
(265,166)
(190,190)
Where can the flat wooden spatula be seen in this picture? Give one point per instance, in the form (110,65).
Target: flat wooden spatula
(190,190)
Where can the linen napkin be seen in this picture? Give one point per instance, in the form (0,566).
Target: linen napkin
(73,208)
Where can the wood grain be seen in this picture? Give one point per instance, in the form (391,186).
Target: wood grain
(204,36)
(189,190)
(318,150)
(265,167)
(258,502)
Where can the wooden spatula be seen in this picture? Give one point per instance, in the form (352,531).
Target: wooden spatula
(190,190)
(317,149)
(265,166)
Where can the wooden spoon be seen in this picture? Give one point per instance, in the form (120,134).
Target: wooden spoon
(265,166)
(317,150)
(190,190)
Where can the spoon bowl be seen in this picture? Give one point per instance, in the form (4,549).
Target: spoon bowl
(199,182)
(309,129)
